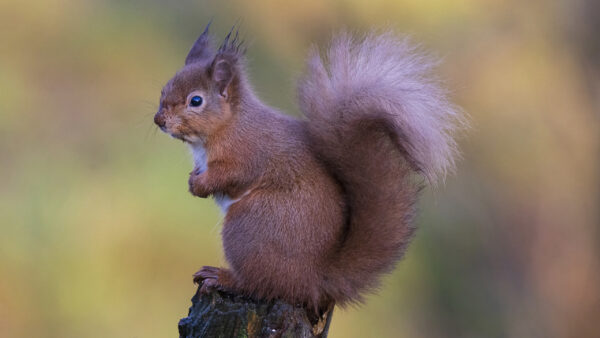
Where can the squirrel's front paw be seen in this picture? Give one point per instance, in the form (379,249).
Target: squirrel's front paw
(197,183)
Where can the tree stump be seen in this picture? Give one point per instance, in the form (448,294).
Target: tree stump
(219,314)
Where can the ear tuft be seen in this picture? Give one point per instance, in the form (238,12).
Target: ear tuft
(233,47)
(202,49)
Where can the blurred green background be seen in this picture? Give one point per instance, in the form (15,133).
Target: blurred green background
(99,236)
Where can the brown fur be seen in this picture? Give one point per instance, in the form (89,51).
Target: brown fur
(325,205)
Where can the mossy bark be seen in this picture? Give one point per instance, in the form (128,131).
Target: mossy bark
(218,314)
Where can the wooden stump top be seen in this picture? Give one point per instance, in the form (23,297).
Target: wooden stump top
(219,314)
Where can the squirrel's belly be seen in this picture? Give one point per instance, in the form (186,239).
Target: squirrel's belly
(224,201)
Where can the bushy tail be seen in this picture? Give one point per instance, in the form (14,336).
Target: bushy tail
(376,116)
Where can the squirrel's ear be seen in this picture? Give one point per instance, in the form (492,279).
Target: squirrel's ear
(225,66)
(202,48)
(222,73)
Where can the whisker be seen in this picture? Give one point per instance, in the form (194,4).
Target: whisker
(215,227)
(149,130)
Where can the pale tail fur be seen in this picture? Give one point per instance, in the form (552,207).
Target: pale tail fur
(386,74)
(376,115)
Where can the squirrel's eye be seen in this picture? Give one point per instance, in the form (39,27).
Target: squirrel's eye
(196,101)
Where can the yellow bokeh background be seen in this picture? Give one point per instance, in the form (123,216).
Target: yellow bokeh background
(99,236)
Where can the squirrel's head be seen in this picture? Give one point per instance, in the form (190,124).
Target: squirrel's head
(203,96)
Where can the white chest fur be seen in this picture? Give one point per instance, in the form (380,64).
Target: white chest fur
(224,202)
(200,161)
(199,153)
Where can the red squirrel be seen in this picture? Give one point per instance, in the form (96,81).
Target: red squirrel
(316,208)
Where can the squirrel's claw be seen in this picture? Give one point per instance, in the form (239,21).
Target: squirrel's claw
(208,278)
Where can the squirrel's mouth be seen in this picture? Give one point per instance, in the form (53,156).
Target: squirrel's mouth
(173,135)
(177,136)
(167,130)
(184,138)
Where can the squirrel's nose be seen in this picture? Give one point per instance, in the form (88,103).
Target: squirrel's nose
(159,119)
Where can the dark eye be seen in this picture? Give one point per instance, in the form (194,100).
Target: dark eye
(196,101)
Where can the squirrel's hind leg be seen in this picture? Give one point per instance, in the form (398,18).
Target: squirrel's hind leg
(212,278)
